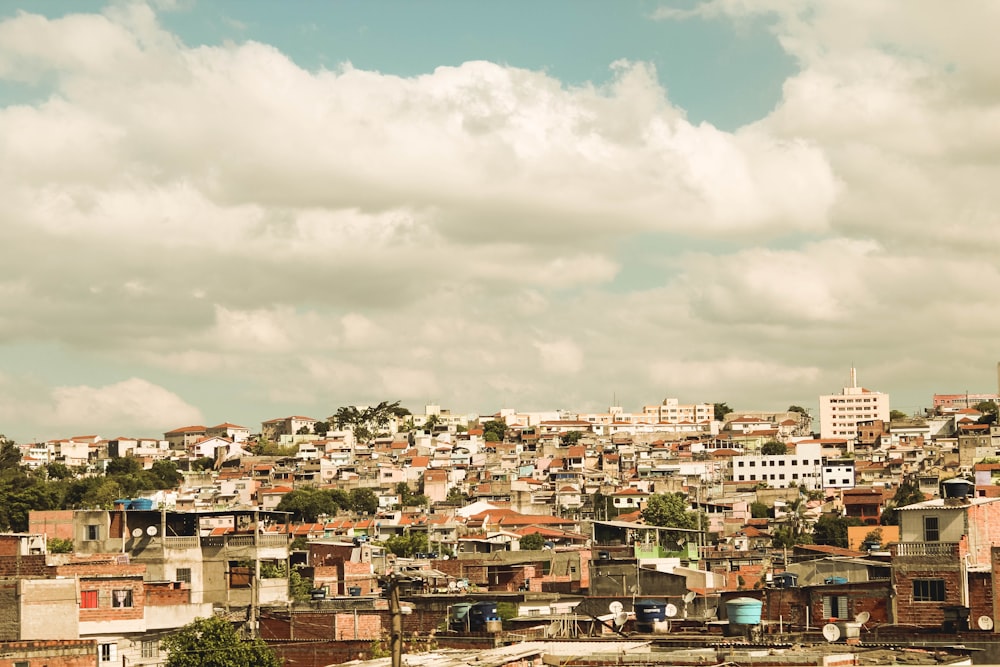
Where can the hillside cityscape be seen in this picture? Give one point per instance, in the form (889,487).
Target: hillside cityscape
(877,514)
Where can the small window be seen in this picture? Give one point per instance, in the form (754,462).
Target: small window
(121,597)
(932,532)
(150,648)
(93,533)
(928,590)
(183,574)
(107,652)
(21,663)
(88,599)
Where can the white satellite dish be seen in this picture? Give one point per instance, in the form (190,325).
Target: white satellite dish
(137,532)
(620,619)
(862,618)
(690,595)
(616,607)
(671,610)
(151,531)
(831,632)
(985,623)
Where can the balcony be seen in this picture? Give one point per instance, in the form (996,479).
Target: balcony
(917,549)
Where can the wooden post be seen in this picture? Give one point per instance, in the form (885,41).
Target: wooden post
(396,636)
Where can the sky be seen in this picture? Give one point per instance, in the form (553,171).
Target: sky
(244,210)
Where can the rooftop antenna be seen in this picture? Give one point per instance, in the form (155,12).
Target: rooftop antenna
(854,378)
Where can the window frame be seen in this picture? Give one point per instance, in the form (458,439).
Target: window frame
(90,599)
(929,590)
(127,600)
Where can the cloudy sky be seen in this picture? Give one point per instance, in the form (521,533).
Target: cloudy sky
(236,211)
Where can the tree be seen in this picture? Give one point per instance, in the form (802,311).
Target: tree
(60,546)
(832,530)
(773,448)
(307,504)
(896,415)
(321,428)
(570,438)
(456,496)
(166,474)
(759,510)
(721,410)
(58,470)
(908,493)
(214,642)
(671,510)
(532,542)
(407,545)
(368,423)
(123,465)
(363,501)
(798,408)
(495,430)
(989,410)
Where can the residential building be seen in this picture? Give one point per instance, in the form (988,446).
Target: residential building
(839,414)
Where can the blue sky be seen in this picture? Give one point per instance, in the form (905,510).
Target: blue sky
(234,211)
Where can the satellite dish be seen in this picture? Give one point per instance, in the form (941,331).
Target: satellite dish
(151,531)
(985,623)
(616,607)
(862,618)
(671,610)
(690,595)
(620,619)
(831,632)
(137,532)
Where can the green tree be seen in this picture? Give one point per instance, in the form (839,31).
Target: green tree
(166,474)
(532,542)
(495,430)
(407,545)
(299,587)
(759,510)
(671,510)
(363,501)
(214,642)
(832,530)
(307,504)
(58,470)
(721,410)
(456,496)
(907,493)
(321,428)
(787,537)
(896,415)
(989,410)
(60,546)
(366,423)
(570,438)
(798,408)
(773,447)
(123,465)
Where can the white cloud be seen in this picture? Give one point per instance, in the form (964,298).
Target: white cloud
(563,357)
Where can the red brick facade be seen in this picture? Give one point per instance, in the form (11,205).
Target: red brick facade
(50,653)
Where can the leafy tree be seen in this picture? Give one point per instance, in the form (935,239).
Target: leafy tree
(908,493)
(299,587)
(166,474)
(203,463)
(787,537)
(214,642)
(363,501)
(123,465)
(58,470)
(368,423)
(570,438)
(532,542)
(407,545)
(832,530)
(798,408)
(721,410)
(409,499)
(773,448)
(671,510)
(989,410)
(60,546)
(307,504)
(321,428)
(495,430)
(896,415)
(10,455)
(759,510)
(299,544)
(874,537)
(456,496)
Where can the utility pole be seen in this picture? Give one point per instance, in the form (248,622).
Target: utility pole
(396,633)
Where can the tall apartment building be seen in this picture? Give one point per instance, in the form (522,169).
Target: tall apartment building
(672,411)
(839,414)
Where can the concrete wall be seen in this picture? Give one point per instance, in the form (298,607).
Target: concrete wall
(49,609)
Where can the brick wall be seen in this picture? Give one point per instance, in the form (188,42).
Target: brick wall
(23,566)
(10,545)
(323,624)
(165,594)
(925,614)
(106,588)
(10,620)
(50,653)
(51,523)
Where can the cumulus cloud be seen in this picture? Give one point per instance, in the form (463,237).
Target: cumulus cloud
(194,213)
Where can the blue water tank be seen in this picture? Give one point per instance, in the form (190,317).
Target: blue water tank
(839,581)
(744,611)
(648,612)
(141,504)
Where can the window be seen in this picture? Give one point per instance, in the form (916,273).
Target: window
(835,606)
(88,599)
(108,652)
(928,590)
(183,574)
(93,533)
(121,597)
(932,532)
(150,648)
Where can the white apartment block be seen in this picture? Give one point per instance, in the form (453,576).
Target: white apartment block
(838,474)
(803,468)
(839,414)
(671,411)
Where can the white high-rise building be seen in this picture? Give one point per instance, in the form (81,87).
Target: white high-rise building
(839,414)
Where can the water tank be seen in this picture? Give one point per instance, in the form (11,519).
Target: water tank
(648,612)
(838,581)
(141,504)
(744,611)
(957,488)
